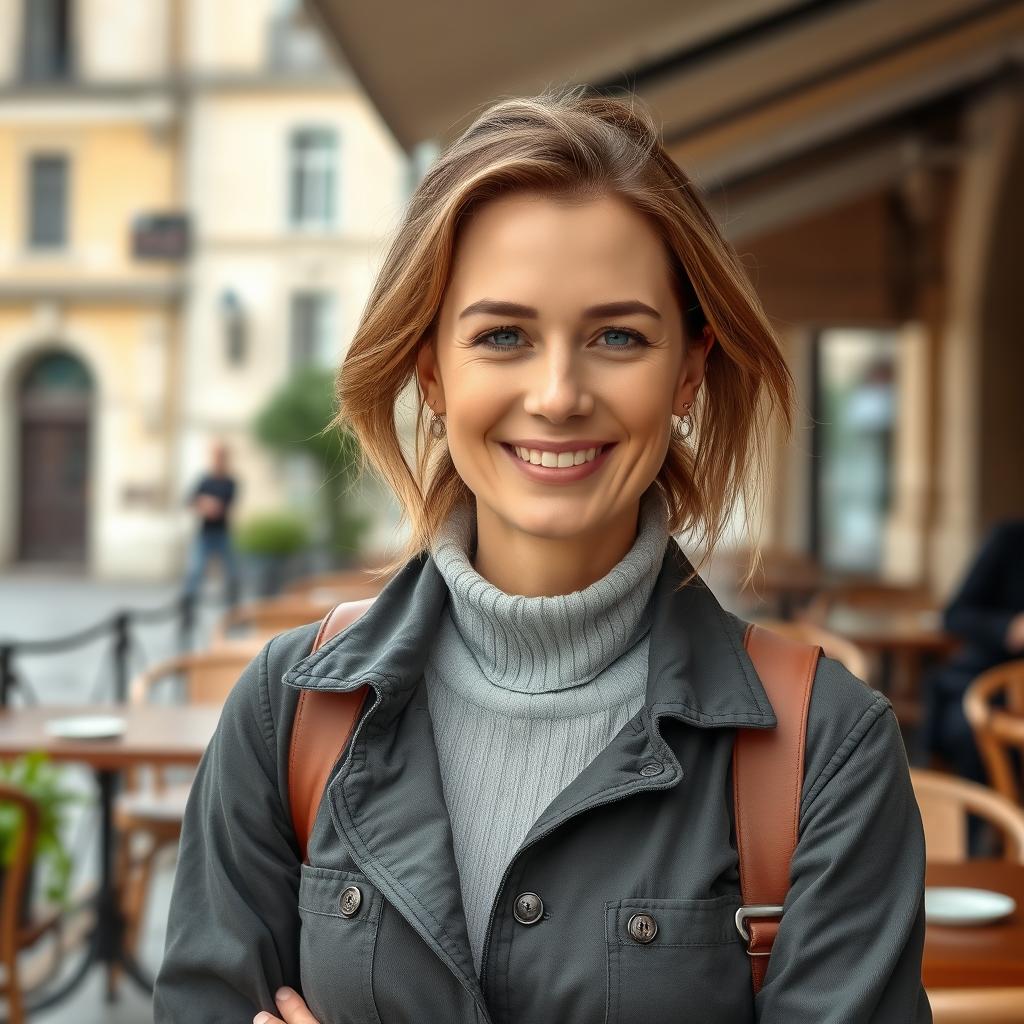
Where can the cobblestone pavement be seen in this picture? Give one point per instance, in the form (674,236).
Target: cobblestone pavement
(36,606)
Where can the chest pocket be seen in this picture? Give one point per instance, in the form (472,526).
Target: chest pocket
(667,958)
(340,914)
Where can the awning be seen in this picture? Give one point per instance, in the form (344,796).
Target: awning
(735,84)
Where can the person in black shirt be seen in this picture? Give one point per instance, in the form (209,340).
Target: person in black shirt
(212,498)
(987,613)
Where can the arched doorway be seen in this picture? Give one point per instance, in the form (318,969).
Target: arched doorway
(55,406)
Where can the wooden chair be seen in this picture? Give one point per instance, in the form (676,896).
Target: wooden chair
(258,621)
(998,730)
(945,801)
(871,594)
(12,937)
(844,651)
(977,1005)
(344,585)
(155,810)
(16,938)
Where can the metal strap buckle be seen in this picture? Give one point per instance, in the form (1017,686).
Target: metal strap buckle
(745,913)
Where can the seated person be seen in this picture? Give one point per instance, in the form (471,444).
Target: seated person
(987,613)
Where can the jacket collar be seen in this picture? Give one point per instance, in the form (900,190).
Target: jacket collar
(698,669)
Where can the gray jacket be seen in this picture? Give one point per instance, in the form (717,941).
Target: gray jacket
(646,827)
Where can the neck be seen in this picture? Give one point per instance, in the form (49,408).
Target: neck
(543,643)
(521,563)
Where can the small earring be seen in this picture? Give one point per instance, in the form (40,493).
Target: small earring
(684,428)
(437,426)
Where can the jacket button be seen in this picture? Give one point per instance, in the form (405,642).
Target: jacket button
(350,900)
(642,927)
(651,768)
(528,908)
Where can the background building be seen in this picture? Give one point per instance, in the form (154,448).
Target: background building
(191,200)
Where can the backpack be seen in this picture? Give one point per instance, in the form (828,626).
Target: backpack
(767,770)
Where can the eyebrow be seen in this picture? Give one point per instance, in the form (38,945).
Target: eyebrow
(500,308)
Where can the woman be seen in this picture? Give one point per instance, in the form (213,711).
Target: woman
(556,693)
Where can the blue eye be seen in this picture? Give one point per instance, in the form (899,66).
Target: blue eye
(497,334)
(629,337)
(626,339)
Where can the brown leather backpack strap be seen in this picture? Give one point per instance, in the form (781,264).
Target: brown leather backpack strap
(323,725)
(768,771)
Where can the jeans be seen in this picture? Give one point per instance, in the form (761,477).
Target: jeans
(207,545)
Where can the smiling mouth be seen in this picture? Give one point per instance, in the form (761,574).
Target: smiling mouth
(556,460)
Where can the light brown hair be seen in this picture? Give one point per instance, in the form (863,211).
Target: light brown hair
(570,145)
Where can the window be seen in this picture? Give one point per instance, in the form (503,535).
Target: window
(294,45)
(47,40)
(313,341)
(855,418)
(236,327)
(312,185)
(48,201)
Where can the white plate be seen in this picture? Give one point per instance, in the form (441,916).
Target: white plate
(86,727)
(944,905)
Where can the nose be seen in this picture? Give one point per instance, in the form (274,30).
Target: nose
(557,388)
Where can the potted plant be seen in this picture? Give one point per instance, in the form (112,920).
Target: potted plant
(268,541)
(39,778)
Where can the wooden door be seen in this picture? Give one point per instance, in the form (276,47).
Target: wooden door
(54,464)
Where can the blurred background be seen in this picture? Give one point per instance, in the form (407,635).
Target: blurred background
(194,199)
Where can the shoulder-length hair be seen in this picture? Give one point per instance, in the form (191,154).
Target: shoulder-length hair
(571,146)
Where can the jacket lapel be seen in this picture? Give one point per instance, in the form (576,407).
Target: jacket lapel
(709,684)
(386,801)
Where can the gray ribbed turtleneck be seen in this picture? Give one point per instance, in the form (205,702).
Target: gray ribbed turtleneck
(524,692)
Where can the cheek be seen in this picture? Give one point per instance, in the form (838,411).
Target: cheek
(640,398)
(474,415)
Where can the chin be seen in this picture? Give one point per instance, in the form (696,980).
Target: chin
(553,519)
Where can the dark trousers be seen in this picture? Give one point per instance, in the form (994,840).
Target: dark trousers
(946,731)
(213,544)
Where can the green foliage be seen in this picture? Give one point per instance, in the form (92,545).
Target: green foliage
(295,417)
(38,777)
(347,535)
(294,421)
(272,533)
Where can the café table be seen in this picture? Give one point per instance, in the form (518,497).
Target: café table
(904,640)
(883,629)
(154,734)
(977,956)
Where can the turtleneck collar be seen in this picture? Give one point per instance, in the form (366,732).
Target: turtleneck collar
(544,644)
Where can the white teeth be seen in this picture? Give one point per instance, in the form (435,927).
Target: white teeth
(560,460)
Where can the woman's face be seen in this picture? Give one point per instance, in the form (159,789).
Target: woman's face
(559,330)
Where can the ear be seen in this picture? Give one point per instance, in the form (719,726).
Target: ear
(429,377)
(692,373)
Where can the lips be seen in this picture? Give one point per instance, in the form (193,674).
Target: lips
(556,446)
